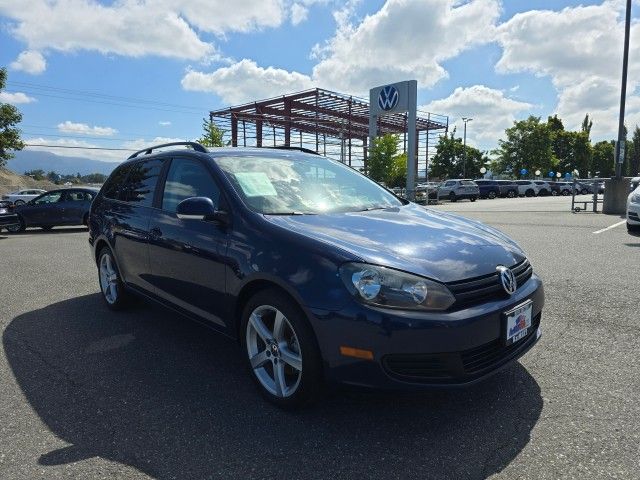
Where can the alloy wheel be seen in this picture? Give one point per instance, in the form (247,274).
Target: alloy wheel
(274,351)
(108,279)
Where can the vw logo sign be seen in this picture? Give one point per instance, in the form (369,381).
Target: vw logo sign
(388,98)
(507,279)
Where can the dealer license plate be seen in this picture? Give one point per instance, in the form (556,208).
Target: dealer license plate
(518,322)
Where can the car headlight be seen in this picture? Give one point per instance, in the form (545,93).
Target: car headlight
(635,198)
(387,287)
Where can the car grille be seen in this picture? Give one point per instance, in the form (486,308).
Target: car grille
(633,216)
(455,367)
(487,287)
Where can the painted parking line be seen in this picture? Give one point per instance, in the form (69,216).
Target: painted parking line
(611,226)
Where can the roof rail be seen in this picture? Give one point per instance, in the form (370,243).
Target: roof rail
(147,151)
(300,149)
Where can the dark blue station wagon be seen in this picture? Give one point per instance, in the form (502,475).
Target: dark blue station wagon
(322,275)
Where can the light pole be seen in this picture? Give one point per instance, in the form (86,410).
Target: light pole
(464,150)
(623,94)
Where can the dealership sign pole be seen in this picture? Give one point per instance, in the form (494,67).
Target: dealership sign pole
(397,98)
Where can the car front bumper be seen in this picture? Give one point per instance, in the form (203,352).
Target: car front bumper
(415,350)
(8,219)
(633,213)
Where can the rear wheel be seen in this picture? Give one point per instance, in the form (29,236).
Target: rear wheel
(584,191)
(113,290)
(18,202)
(473,199)
(511,194)
(529,193)
(566,192)
(280,350)
(554,193)
(491,194)
(452,197)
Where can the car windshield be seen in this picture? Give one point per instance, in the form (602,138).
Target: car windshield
(302,184)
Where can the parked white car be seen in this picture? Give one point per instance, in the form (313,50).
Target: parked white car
(527,188)
(21,197)
(633,211)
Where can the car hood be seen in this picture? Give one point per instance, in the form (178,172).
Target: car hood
(433,244)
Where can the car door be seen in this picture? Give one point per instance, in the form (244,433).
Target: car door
(46,210)
(187,256)
(76,205)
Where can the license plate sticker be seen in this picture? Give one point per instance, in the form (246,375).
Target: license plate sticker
(518,322)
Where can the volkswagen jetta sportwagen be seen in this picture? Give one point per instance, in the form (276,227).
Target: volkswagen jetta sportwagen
(320,273)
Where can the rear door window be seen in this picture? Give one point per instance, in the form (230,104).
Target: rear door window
(113,185)
(141,182)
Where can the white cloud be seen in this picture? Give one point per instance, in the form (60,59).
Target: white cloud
(245,80)
(84,129)
(29,61)
(169,28)
(299,13)
(580,49)
(75,148)
(15,98)
(490,110)
(165,123)
(404,39)
(142,143)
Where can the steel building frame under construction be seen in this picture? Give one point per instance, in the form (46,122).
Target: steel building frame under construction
(329,123)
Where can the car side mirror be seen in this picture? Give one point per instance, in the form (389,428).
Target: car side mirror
(201,208)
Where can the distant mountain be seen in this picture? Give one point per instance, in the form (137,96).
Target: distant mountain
(34,160)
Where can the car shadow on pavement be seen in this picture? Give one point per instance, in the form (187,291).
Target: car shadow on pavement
(172,399)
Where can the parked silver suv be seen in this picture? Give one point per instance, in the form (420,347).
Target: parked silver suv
(458,189)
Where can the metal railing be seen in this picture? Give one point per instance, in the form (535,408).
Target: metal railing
(593,187)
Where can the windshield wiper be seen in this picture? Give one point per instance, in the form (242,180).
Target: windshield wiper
(368,209)
(290,213)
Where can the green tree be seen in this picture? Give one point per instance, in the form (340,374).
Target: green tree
(36,174)
(212,134)
(634,153)
(448,159)
(602,162)
(586,125)
(381,155)
(397,176)
(9,118)
(529,145)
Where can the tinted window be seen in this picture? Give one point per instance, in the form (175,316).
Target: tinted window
(113,185)
(77,196)
(48,198)
(188,178)
(141,182)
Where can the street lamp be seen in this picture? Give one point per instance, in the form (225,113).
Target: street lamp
(464,151)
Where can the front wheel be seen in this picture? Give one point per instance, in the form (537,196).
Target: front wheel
(584,191)
(280,350)
(452,197)
(473,199)
(19,227)
(529,193)
(511,194)
(633,228)
(554,193)
(18,203)
(491,195)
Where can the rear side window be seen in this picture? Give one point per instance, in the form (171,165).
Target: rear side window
(141,182)
(188,178)
(115,182)
(468,182)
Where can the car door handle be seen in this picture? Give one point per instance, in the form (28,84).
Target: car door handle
(155,232)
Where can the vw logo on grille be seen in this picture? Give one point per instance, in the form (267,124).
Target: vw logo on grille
(388,97)
(507,278)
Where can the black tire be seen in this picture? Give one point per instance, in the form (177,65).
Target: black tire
(473,199)
(311,384)
(584,191)
(511,194)
(566,193)
(19,202)
(452,197)
(633,228)
(529,193)
(122,296)
(46,228)
(554,193)
(491,195)
(17,228)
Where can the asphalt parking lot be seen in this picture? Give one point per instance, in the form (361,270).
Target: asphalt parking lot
(87,393)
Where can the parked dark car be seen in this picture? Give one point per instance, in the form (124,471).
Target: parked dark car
(321,274)
(488,188)
(508,188)
(69,206)
(8,217)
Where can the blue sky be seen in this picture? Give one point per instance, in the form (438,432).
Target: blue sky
(491,60)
